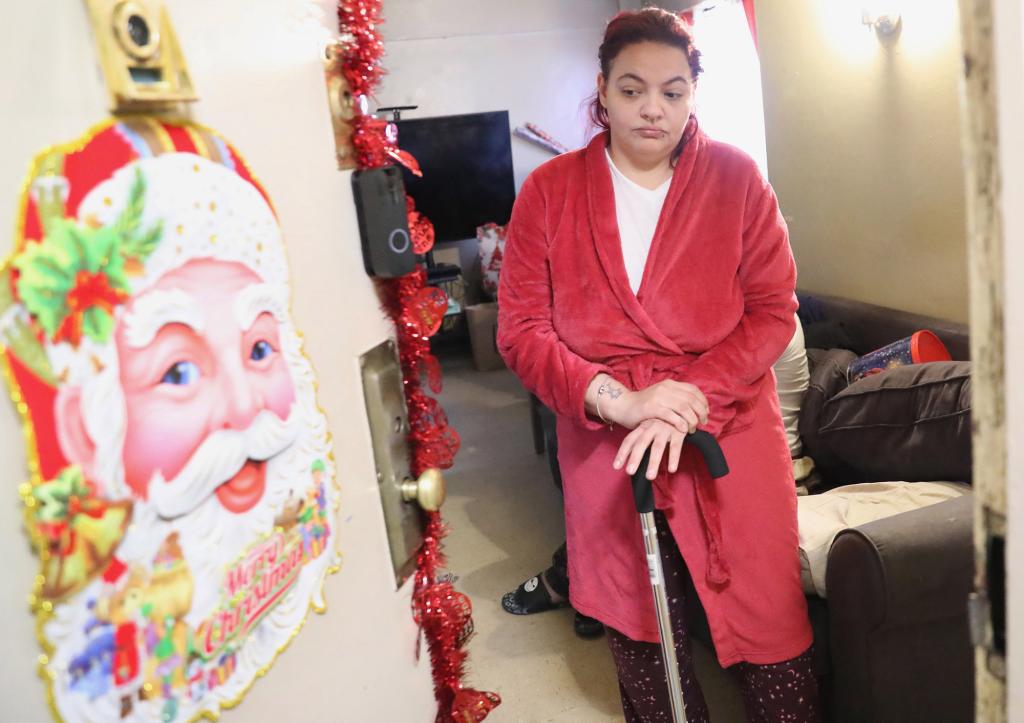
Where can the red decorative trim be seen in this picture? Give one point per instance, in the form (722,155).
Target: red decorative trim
(443,614)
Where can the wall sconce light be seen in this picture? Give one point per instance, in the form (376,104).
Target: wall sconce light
(883,20)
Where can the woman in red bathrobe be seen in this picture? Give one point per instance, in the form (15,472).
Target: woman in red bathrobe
(646,291)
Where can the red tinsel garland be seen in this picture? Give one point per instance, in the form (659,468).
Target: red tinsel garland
(443,614)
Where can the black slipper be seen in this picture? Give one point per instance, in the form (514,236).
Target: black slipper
(530,597)
(587,627)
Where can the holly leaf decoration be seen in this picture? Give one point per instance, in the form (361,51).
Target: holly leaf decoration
(45,279)
(127,223)
(97,324)
(136,243)
(72,280)
(138,247)
(54,496)
(79,531)
(17,334)
(76,275)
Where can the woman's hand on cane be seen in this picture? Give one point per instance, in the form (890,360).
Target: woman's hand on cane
(660,437)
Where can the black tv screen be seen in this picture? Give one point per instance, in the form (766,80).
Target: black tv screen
(467,170)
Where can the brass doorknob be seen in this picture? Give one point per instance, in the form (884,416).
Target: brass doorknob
(428,490)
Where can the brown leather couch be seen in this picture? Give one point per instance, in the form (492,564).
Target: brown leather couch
(892,638)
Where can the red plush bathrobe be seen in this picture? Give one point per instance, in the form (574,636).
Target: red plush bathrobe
(715,309)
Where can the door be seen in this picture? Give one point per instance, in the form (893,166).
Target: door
(257,69)
(993,99)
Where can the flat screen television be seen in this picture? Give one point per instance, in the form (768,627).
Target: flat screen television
(467,170)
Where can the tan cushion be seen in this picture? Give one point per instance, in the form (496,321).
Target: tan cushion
(821,517)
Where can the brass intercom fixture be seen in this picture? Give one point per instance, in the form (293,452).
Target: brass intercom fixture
(401,498)
(140,55)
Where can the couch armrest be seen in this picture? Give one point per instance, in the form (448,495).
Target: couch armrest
(898,635)
(911,567)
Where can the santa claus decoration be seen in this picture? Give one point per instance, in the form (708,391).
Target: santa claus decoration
(182,485)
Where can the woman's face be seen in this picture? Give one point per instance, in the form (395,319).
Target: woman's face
(648,94)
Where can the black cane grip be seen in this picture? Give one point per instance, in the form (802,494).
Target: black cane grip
(643,490)
(710,451)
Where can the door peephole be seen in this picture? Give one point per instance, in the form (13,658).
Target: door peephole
(136,32)
(139,51)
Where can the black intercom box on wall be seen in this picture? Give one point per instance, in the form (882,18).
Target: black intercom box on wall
(383,223)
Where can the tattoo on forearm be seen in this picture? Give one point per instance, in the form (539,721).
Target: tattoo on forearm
(610,389)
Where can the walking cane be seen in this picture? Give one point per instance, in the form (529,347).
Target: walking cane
(643,494)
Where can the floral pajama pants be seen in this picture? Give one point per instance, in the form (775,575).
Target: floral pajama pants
(785,692)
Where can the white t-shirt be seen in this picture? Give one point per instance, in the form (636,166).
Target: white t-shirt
(637,210)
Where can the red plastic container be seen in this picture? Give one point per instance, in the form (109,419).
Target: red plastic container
(920,347)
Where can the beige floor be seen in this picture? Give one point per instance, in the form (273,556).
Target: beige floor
(506,519)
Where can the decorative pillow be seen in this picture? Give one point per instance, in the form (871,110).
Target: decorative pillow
(492,248)
(827,378)
(911,422)
(822,517)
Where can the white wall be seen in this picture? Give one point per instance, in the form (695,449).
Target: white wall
(864,151)
(256,66)
(535,58)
